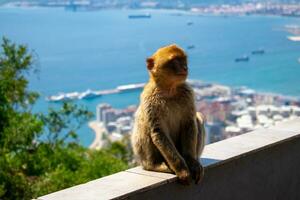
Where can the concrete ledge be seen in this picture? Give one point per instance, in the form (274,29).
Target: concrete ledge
(263,164)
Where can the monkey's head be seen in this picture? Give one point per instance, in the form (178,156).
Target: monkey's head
(168,65)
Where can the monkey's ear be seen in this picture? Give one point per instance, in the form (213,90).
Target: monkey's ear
(150,63)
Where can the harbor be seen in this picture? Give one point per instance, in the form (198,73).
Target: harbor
(229,111)
(88,94)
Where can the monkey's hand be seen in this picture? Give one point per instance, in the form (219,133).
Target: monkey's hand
(196,169)
(184,176)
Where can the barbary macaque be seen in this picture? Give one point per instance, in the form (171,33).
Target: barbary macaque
(168,134)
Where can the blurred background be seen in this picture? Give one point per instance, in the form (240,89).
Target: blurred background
(244,61)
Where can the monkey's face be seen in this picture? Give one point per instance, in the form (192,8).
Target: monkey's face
(169,64)
(175,69)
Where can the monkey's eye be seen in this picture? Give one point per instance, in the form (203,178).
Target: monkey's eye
(183,63)
(176,64)
(170,64)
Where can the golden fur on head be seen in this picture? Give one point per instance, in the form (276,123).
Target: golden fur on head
(168,66)
(166,53)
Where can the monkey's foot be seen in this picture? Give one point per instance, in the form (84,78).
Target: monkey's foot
(184,177)
(158,168)
(197,171)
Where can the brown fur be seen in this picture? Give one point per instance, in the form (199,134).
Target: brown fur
(168,136)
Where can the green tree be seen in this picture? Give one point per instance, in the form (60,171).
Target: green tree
(40,153)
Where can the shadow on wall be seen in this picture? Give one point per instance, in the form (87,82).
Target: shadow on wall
(208,161)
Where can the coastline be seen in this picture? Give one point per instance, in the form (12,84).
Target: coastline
(241,9)
(239,108)
(99,131)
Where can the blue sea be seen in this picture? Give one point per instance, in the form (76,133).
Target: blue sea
(75,51)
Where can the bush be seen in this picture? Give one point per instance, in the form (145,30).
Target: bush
(39,153)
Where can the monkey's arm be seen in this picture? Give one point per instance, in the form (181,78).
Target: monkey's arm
(164,144)
(154,111)
(171,155)
(189,148)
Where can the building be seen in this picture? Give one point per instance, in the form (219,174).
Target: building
(100,109)
(109,115)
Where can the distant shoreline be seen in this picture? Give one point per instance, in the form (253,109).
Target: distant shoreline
(99,130)
(185,11)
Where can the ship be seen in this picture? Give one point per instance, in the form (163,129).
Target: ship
(55,98)
(72,95)
(63,96)
(147,15)
(88,94)
(189,23)
(258,52)
(242,59)
(191,47)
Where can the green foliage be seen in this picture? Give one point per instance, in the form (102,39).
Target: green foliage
(72,165)
(39,153)
(122,149)
(69,118)
(15,99)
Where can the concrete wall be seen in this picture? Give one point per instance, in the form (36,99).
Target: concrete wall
(263,164)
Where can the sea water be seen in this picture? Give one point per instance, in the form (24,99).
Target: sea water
(75,51)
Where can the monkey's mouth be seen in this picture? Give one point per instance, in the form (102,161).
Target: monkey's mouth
(182,74)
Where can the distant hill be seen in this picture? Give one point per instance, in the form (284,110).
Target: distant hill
(212,2)
(161,3)
(236,1)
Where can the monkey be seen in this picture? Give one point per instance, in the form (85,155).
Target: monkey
(168,135)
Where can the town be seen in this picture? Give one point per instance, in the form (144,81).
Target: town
(228,111)
(292,10)
(284,8)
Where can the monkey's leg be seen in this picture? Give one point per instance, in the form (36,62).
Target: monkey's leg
(190,148)
(171,155)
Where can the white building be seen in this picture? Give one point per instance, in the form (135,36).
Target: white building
(100,109)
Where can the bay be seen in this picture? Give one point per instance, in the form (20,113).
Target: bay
(103,49)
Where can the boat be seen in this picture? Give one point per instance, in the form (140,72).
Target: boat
(147,15)
(242,59)
(258,52)
(72,95)
(56,98)
(88,94)
(189,23)
(176,14)
(191,47)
